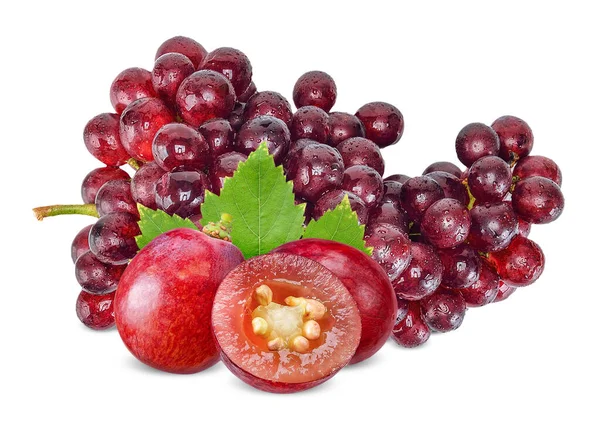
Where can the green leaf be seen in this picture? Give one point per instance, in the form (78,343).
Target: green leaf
(153,223)
(261,202)
(340,225)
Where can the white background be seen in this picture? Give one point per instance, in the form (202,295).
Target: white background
(530,359)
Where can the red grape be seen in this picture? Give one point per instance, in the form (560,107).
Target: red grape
(168,73)
(418,194)
(521,263)
(391,248)
(412,331)
(489,179)
(224,166)
(444,310)
(310,122)
(115,196)
(443,166)
(484,290)
(219,135)
(333,198)
(130,85)
(96,179)
(95,276)
(343,126)
(423,274)
(181,192)
(516,137)
(101,138)
(462,266)
(177,145)
(184,45)
(384,123)
(205,95)
(538,200)
(533,165)
(492,226)
(112,238)
(233,64)
(80,244)
(315,88)
(143,182)
(446,223)
(475,141)
(361,151)
(364,182)
(264,129)
(269,103)
(319,169)
(96,311)
(139,124)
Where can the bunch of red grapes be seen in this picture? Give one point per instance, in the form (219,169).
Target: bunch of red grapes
(448,240)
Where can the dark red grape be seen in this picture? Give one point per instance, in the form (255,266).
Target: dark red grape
(484,290)
(219,135)
(168,73)
(96,311)
(203,96)
(224,166)
(269,103)
(504,291)
(516,137)
(444,310)
(451,185)
(101,138)
(520,264)
(236,118)
(399,178)
(364,182)
(143,182)
(492,226)
(533,165)
(489,179)
(181,192)
(475,141)
(462,266)
(290,163)
(95,276)
(315,88)
(333,198)
(423,274)
(524,227)
(391,193)
(233,64)
(130,85)
(412,331)
(344,126)
(248,93)
(115,196)
(418,194)
(310,122)
(384,123)
(264,129)
(96,178)
(319,169)
(446,223)
(391,248)
(80,244)
(139,124)
(112,238)
(443,166)
(402,309)
(184,45)
(387,212)
(177,145)
(361,151)
(538,200)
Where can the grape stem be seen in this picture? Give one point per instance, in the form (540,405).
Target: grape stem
(52,210)
(134,163)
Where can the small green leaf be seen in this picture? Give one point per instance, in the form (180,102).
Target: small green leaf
(153,223)
(340,225)
(261,202)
